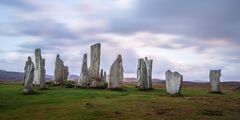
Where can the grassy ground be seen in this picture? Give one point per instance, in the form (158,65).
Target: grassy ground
(76,104)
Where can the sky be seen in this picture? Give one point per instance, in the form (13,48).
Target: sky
(188,36)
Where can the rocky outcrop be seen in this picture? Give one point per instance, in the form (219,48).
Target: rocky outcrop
(173,82)
(214,77)
(28,76)
(116,74)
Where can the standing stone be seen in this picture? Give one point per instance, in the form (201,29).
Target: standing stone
(142,75)
(59,71)
(142,65)
(173,82)
(94,69)
(95,62)
(116,74)
(83,79)
(104,79)
(138,73)
(103,75)
(215,80)
(38,74)
(28,76)
(42,82)
(149,71)
(66,73)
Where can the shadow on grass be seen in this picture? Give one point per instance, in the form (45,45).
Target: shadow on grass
(175,95)
(220,93)
(31,93)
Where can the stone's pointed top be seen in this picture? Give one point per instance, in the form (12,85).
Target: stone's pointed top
(29,58)
(119,57)
(97,44)
(146,58)
(168,71)
(215,70)
(38,50)
(176,73)
(58,56)
(85,55)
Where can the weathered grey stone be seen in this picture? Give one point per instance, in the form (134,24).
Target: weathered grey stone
(59,71)
(143,78)
(103,75)
(94,69)
(116,74)
(149,71)
(104,79)
(28,76)
(66,73)
(95,62)
(83,79)
(39,69)
(214,77)
(138,73)
(173,82)
(42,82)
(142,65)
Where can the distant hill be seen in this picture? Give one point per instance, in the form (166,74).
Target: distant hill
(73,77)
(15,76)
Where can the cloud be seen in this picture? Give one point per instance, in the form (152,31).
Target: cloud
(187,36)
(215,19)
(20,4)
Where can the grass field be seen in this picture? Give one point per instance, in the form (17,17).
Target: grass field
(87,104)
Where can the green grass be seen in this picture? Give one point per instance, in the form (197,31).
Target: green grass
(76,104)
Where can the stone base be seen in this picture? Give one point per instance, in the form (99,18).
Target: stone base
(115,89)
(216,92)
(98,84)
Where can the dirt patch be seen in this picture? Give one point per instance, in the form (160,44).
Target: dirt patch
(162,111)
(212,112)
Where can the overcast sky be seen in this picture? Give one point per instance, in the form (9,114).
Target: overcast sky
(188,36)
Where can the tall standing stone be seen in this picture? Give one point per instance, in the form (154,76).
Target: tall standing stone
(42,82)
(144,84)
(173,82)
(149,71)
(104,79)
(138,72)
(39,68)
(95,62)
(59,71)
(83,79)
(66,73)
(103,75)
(116,74)
(143,78)
(214,77)
(28,76)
